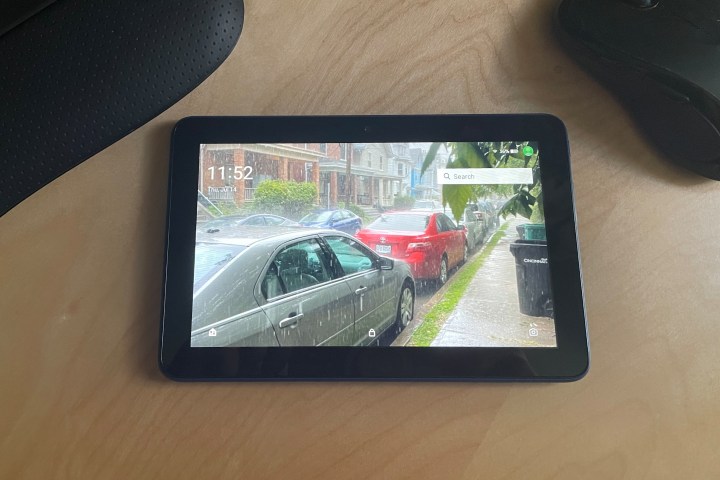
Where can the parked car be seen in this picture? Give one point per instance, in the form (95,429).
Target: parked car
(230,221)
(430,242)
(342,220)
(293,286)
(489,214)
(474,228)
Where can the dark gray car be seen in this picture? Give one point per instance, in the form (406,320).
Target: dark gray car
(291,286)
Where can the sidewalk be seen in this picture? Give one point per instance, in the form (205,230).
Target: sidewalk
(488,315)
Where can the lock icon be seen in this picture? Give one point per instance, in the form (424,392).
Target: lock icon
(371,333)
(212,333)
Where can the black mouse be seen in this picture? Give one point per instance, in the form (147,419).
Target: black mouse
(662,59)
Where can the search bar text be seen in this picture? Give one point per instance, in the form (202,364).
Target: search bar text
(486,176)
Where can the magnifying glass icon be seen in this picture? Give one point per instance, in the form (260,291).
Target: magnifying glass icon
(447,175)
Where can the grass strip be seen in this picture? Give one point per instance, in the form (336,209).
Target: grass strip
(439,313)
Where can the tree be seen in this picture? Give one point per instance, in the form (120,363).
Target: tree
(522,198)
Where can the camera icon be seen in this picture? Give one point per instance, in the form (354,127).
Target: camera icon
(533,332)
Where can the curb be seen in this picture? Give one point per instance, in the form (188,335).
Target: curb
(404,338)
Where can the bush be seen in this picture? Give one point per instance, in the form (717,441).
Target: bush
(286,198)
(358,211)
(403,203)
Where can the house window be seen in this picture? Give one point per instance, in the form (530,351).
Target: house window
(381,162)
(369,159)
(400,169)
(323,147)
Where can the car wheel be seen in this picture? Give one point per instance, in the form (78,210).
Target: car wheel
(406,306)
(443,271)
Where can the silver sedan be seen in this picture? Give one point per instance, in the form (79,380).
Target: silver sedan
(290,286)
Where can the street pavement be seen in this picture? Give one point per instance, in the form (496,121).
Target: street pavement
(488,314)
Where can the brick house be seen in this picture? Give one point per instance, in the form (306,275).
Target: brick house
(232,172)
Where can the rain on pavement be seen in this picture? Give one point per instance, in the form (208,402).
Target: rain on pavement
(488,314)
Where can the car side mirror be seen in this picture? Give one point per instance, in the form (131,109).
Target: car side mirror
(386,263)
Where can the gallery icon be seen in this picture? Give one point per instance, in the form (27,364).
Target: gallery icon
(212,333)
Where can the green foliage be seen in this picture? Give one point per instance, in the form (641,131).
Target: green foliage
(462,155)
(537,215)
(519,204)
(523,199)
(358,211)
(286,198)
(430,157)
(403,202)
(457,196)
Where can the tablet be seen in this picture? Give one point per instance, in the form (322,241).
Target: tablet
(439,247)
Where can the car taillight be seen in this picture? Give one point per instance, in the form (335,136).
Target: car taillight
(418,247)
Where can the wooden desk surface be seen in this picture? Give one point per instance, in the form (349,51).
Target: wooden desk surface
(81,275)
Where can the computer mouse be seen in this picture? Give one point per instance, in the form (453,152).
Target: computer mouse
(661,58)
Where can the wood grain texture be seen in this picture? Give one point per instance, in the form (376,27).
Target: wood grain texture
(81,396)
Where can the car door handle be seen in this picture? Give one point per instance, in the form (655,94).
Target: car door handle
(360,290)
(289,321)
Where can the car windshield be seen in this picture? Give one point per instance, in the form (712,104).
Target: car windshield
(317,216)
(210,258)
(405,223)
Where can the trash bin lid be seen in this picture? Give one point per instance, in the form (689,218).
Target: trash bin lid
(530,249)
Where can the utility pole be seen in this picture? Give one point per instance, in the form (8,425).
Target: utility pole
(348,174)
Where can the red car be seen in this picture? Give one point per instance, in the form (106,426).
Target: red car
(430,242)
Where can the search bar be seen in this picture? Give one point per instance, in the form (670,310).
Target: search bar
(484,176)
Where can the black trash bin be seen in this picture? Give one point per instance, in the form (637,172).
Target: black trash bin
(533,277)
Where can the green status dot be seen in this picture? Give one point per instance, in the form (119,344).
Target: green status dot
(528,151)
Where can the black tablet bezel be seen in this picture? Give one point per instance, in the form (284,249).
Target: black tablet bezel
(568,361)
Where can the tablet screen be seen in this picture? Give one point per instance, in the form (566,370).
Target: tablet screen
(435,244)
